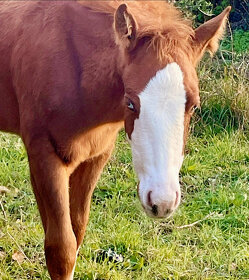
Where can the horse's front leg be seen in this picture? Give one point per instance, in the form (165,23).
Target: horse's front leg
(50,183)
(82,184)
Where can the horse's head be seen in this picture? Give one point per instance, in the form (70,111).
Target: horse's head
(161,94)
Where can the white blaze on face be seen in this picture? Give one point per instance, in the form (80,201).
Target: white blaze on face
(157,140)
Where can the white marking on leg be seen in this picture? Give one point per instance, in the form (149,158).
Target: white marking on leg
(72,273)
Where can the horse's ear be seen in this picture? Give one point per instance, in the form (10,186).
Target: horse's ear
(208,35)
(125,28)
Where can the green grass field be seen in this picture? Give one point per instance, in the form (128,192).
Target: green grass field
(207,238)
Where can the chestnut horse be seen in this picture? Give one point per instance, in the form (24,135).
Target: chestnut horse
(71,75)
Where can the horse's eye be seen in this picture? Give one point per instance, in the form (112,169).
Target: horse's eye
(131,106)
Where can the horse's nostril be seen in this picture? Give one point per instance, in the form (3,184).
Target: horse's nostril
(162,206)
(149,199)
(155,210)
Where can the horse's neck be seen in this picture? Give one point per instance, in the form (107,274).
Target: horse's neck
(99,96)
(101,84)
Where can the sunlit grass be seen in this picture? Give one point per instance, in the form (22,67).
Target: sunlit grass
(215,181)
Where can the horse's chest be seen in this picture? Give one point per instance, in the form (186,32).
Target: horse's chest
(95,142)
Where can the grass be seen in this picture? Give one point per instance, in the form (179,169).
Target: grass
(121,243)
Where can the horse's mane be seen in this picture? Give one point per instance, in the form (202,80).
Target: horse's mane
(160,21)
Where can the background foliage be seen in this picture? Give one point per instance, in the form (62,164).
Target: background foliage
(201,10)
(206,239)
